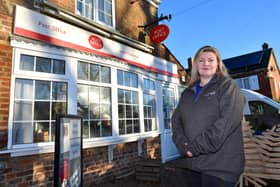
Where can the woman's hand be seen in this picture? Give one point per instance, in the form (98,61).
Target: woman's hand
(189,154)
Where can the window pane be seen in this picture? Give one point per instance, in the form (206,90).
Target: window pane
(168,105)
(82,95)
(108,6)
(121,109)
(52,131)
(148,84)
(149,112)
(58,108)
(105,95)
(41,132)
(27,62)
(128,111)
(127,79)
(22,111)
(136,126)
(120,77)
(94,94)
(134,80)
(94,111)
(147,125)
(101,16)
(82,71)
(58,66)
(24,89)
(246,83)
(106,128)
(108,19)
(83,101)
(94,129)
(88,10)
(22,133)
(128,97)
(121,127)
(105,111)
(41,110)
(42,90)
(121,97)
(135,111)
(105,11)
(59,91)
(129,126)
(80,7)
(101,4)
(85,129)
(43,64)
(146,109)
(99,102)
(134,97)
(94,73)
(105,74)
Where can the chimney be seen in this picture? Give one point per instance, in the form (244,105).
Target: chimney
(265,46)
(190,62)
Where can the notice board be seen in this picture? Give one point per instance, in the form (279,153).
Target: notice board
(68,151)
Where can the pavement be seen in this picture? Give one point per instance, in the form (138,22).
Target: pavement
(170,176)
(128,182)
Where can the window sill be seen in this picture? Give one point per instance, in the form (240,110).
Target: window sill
(33,149)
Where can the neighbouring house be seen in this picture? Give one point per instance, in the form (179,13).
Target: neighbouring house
(257,71)
(87,58)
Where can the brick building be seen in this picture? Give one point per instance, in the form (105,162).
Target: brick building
(257,71)
(87,58)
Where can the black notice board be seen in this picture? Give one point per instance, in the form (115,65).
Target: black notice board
(68,151)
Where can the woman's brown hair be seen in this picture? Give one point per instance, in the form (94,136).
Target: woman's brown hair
(221,69)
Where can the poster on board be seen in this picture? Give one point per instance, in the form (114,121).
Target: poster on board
(68,151)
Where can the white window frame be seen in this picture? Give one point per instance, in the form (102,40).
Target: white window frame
(95,13)
(153,93)
(71,59)
(140,101)
(89,83)
(32,75)
(175,92)
(250,82)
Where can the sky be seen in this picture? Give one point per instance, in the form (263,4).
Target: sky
(234,27)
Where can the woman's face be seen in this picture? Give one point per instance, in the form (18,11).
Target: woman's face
(207,64)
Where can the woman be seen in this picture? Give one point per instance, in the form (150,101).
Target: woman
(206,124)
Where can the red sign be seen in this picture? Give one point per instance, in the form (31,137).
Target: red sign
(95,42)
(159,33)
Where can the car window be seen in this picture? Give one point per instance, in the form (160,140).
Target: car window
(261,108)
(263,116)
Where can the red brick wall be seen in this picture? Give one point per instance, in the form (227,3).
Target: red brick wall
(68,5)
(27,170)
(5,75)
(38,170)
(130,16)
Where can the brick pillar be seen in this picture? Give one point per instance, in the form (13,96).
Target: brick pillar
(5,81)
(5,71)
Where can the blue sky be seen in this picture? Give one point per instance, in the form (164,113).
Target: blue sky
(235,27)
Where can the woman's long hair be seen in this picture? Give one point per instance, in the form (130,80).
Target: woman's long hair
(221,69)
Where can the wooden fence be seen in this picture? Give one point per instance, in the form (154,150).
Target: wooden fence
(262,156)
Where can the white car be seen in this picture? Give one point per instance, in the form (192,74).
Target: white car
(262,112)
